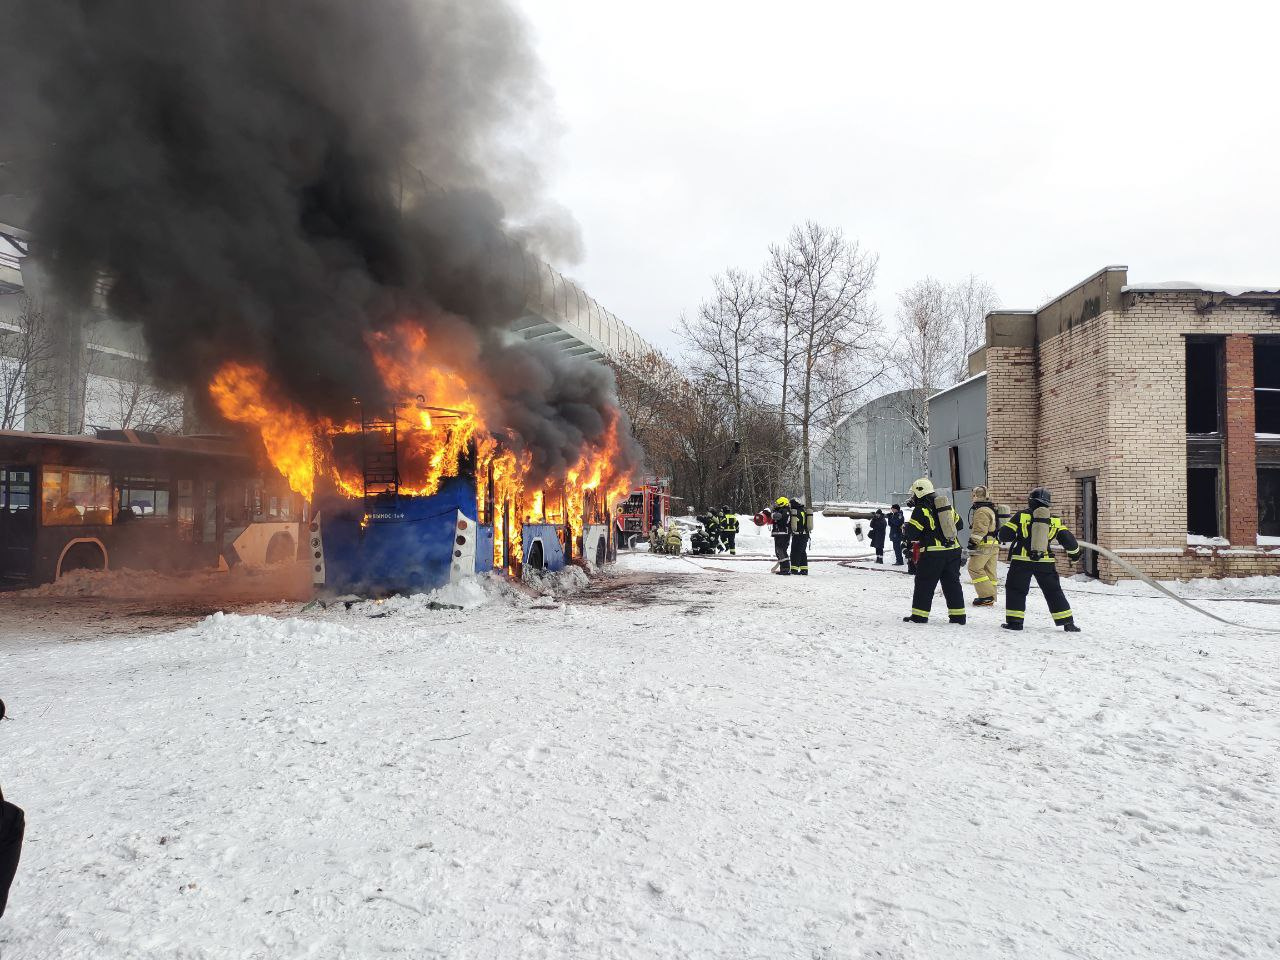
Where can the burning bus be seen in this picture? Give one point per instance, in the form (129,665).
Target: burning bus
(412,494)
(475,516)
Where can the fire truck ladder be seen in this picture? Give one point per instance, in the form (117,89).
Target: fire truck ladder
(381,457)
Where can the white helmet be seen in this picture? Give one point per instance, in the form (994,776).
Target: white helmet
(921,488)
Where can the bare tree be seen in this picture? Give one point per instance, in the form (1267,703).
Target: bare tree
(26,355)
(782,303)
(648,389)
(836,329)
(928,351)
(939,325)
(724,339)
(130,403)
(971,300)
(120,395)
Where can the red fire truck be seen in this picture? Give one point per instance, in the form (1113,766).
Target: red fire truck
(648,506)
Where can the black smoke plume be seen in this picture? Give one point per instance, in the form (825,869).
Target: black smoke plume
(274,180)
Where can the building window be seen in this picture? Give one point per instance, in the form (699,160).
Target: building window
(953,457)
(1269,501)
(1204,385)
(1203,502)
(1266,386)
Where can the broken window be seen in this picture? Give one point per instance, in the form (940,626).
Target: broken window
(1203,502)
(1269,501)
(1266,386)
(1204,384)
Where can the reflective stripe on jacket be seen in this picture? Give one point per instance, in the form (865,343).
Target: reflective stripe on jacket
(923,529)
(1017,532)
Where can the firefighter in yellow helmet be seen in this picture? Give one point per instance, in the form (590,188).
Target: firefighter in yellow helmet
(1030,533)
(934,526)
(781,517)
(983,548)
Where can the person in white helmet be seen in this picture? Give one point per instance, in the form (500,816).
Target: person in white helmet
(934,525)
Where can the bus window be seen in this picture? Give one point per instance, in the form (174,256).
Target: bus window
(186,512)
(145,496)
(72,497)
(15,490)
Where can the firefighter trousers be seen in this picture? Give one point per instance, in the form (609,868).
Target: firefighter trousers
(800,554)
(781,543)
(1018,585)
(982,570)
(729,539)
(934,567)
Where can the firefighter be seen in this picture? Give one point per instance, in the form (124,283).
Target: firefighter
(984,547)
(933,529)
(716,527)
(1030,533)
(801,530)
(781,518)
(729,530)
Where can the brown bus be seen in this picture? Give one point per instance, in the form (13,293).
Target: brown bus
(137,500)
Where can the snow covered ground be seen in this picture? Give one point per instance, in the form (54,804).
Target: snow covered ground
(686,758)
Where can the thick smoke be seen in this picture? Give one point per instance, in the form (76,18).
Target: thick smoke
(274,181)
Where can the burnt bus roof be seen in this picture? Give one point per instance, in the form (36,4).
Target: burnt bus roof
(117,447)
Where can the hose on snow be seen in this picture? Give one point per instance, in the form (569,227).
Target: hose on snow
(1121,562)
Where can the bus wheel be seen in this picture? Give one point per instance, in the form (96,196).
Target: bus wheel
(280,549)
(83,556)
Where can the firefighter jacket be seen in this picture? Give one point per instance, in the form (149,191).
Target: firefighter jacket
(983,526)
(730,523)
(781,517)
(1016,531)
(801,521)
(923,528)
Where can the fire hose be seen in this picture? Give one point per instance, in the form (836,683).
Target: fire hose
(1121,562)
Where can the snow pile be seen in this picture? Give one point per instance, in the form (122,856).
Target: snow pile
(686,759)
(282,580)
(1231,290)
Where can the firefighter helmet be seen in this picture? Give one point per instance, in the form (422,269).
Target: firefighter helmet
(922,487)
(725,509)
(782,502)
(1039,497)
(980,492)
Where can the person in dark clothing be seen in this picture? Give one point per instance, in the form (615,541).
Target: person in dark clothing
(801,529)
(12,827)
(729,530)
(895,521)
(933,528)
(781,517)
(1030,557)
(713,522)
(879,525)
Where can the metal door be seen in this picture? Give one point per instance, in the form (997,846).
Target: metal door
(1089,521)
(17,521)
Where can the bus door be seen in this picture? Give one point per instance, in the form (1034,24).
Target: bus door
(17,521)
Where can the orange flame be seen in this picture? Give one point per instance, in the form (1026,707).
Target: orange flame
(434,428)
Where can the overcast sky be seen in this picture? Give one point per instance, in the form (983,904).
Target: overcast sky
(1031,144)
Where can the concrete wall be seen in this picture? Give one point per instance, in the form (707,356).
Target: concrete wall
(872,456)
(958,418)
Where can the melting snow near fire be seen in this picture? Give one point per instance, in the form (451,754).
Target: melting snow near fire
(681,757)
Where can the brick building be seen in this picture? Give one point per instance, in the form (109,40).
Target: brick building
(1152,413)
